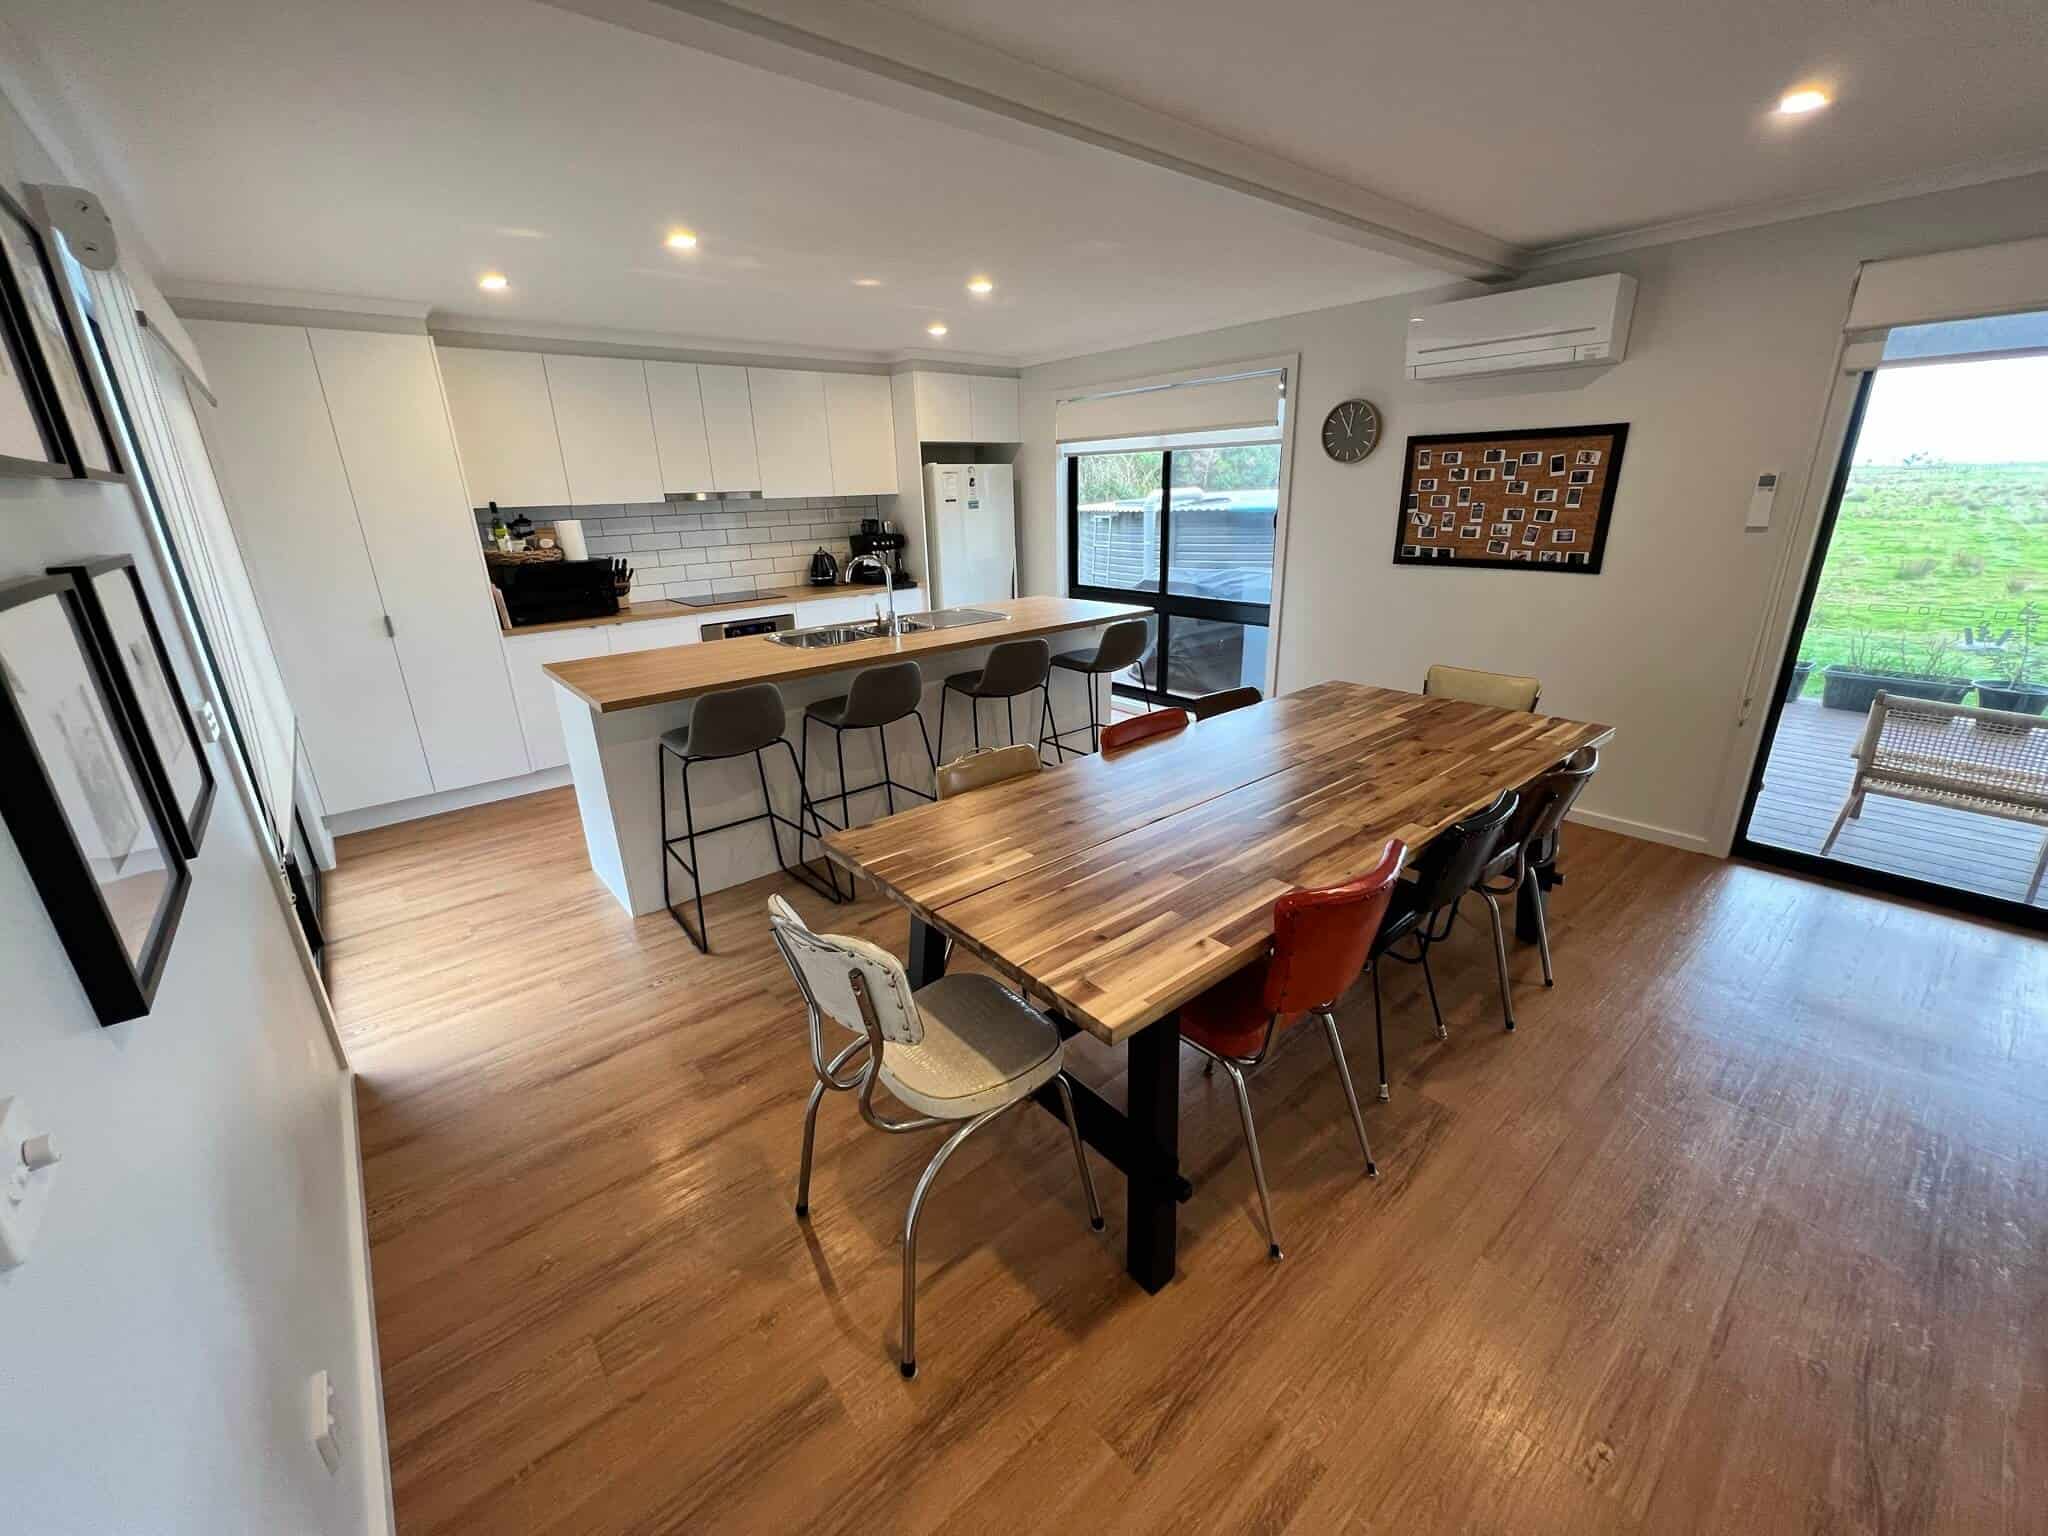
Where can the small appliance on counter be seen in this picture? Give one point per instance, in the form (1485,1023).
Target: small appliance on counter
(555,591)
(824,568)
(877,544)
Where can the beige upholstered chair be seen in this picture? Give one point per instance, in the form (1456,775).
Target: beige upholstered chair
(958,1052)
(1503,690)
(991,765)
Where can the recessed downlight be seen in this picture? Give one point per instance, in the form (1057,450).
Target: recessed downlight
(981,287)
(681,240)
(1805,99)
(867,282)
(494,282)
(936,328)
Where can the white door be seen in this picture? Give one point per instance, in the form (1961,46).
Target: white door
(679,441)
(994,409)
(607,429)
(862,424)
(790,431)
(288,497)
(505,427)
(540,717)
(385,401)
(945,407)
(729,428)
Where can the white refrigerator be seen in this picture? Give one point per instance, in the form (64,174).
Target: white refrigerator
(970,517)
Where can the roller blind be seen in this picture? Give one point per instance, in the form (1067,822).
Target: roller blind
(1200,405)
(1951,285)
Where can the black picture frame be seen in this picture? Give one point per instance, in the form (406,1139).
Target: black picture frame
(138,663)
(52,323)
(66,751)
(26,379)
(1616,433)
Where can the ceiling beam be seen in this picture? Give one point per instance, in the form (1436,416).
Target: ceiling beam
(887,56)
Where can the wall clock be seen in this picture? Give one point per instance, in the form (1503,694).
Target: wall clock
(1351,430)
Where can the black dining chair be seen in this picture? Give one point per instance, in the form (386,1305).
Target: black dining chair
(1447,870)
(1529,844)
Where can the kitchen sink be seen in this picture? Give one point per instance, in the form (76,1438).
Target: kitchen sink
(822,635)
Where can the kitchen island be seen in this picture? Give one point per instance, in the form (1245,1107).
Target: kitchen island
(615,708)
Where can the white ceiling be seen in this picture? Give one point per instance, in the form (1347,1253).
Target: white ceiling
(1548,123)
(394,151)
(397,150)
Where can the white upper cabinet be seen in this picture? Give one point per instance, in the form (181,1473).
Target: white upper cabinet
(505,426)
(679,440)
(993,409)
(729,428)
(288,497)
(607,429)
(791,432)
(945,407)
(385,402)
(862,426)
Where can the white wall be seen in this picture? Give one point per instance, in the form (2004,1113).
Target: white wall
(202,1254)
(1728,375)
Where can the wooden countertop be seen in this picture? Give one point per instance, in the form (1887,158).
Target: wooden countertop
(664,608)
(610,683)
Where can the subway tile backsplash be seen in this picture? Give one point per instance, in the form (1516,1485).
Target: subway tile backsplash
(732,548)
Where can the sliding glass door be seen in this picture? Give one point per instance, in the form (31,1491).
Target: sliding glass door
(1907,746)
(1187,532)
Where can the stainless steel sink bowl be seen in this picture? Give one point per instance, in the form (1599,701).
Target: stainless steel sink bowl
(822,635)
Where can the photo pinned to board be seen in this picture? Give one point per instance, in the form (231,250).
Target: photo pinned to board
(1563,535)
(1575,496)
(1582,477)
(1422,458)
(1545,515)
(1586,456)
(1531,458)
(1546,496)
(1496,546)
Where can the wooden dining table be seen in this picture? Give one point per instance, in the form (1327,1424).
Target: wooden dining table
(1121,885)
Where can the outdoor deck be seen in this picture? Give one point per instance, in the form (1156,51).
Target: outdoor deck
(1807,777)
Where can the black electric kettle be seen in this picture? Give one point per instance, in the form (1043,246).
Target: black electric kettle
(824,568)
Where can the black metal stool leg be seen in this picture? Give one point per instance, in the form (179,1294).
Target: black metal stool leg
(702,935)
(1010,714)
(845,806)
(974,705)
(928,752)
(888,781)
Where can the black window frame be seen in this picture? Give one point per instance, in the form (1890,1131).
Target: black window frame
(1165,605)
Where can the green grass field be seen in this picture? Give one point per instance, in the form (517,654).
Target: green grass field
(1921,553)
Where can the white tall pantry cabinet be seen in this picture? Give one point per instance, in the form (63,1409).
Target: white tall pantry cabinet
(346,493)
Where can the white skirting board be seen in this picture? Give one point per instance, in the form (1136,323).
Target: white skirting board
(451,800)
(1649,832)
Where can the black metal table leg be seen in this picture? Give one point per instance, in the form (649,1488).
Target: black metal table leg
(927,953)
(1152,1235)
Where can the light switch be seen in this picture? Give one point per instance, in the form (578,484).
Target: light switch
(1760,501)
(28,1167)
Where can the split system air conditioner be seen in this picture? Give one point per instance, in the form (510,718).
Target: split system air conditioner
(1561,326)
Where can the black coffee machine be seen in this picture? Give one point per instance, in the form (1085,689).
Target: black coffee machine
(885,545)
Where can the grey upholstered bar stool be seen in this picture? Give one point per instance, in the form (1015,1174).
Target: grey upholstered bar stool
(722,725)
(1013,667)
(877,698)
(1120,646)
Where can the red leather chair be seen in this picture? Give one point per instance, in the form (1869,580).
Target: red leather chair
(1322,940)
(1128,733)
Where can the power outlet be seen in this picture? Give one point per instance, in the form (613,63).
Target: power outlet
(326,1431)
(28,1167)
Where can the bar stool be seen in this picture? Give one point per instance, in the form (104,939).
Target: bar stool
(1120,646)
(725,725)
(877,698)
(1013,667)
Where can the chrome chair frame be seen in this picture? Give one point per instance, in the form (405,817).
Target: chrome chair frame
(1235,1068)
(863,1081)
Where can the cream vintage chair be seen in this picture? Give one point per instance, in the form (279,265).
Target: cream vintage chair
(958,1052)
(991,765)
(1503,690)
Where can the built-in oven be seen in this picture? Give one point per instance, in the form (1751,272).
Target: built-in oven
(756,624)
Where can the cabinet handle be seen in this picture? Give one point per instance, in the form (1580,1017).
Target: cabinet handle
(390,628)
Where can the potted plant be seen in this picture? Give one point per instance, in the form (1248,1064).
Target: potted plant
(1875,666)
(2014,687)
(1802,669)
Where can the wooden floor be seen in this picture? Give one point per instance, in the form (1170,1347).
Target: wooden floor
(1807,777)
(1745,1229)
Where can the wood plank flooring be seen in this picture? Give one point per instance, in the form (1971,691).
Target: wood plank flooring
(1745,1229)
